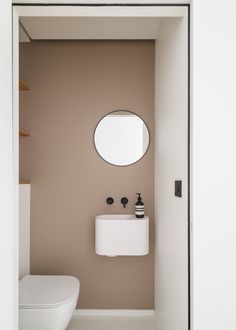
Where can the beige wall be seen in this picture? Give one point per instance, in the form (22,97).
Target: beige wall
(73,84)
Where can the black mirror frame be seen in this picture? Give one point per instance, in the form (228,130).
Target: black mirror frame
(135,115)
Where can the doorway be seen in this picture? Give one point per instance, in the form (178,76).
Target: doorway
(173,38)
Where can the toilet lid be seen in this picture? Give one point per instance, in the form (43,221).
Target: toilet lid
(47,291)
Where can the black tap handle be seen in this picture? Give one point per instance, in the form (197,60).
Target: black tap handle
(109,200)
(124,201)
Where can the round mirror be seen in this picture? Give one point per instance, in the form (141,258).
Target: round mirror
(121,138)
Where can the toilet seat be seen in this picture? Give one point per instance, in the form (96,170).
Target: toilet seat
(47,292)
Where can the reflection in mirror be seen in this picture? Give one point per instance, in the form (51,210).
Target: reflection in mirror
(121,138)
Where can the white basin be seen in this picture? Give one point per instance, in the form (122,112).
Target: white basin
(121,235)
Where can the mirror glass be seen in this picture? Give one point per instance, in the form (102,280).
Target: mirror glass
(121,138)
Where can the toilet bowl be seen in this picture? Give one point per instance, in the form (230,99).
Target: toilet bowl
(47,302)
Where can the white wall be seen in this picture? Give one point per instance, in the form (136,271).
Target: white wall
(24,230)
(8,258)
(171,163)
(214,165)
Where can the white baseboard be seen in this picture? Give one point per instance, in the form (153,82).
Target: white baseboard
(114,312)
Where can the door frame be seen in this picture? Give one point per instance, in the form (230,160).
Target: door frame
(105,8)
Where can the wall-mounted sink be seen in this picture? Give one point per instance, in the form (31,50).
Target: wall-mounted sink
(121,235)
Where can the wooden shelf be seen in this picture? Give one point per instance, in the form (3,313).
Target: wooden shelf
(23,132)
(24,182)
(23,85)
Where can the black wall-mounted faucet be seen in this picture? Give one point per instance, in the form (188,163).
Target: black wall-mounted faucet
(124,201)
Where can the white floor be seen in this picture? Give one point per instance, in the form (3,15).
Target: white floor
(112,323)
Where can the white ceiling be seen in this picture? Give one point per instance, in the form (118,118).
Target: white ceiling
(91,27)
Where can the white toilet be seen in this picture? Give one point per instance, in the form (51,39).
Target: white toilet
(46,302)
